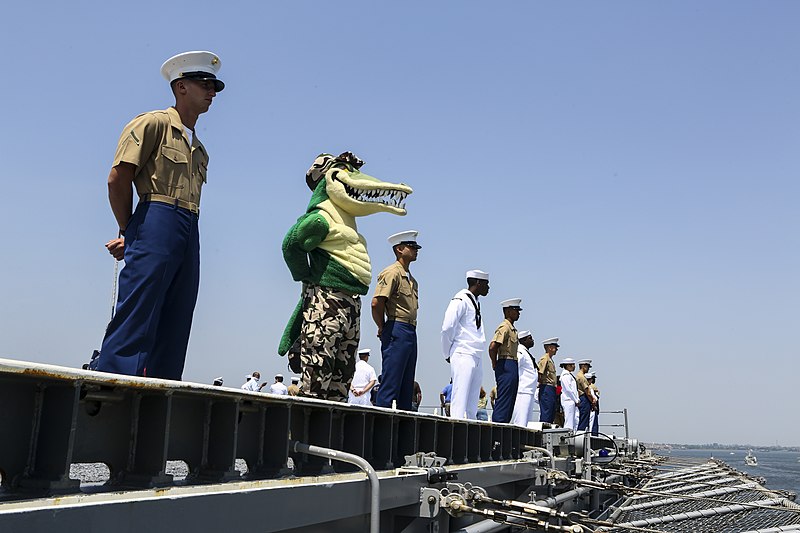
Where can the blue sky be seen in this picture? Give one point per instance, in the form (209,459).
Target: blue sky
(629,169)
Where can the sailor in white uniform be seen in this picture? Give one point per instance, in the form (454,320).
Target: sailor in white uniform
(363,380)
(528,391)
(463,344)
(252,382)
(278,387)
(569,394)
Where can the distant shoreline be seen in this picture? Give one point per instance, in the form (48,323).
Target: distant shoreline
(717,446)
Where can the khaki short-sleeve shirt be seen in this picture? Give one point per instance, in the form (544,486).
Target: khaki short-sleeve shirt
(506,336)
(401,292)
(547,368)
(166,162)
(582,382)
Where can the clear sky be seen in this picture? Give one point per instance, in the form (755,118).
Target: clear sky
(629,169)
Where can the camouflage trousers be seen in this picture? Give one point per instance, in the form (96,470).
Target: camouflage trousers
(328,342)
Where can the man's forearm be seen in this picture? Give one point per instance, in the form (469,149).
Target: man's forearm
(493,352)
(120,192)
(378,308)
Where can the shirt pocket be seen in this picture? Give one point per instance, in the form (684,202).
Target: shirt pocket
(405,290)
(173,174)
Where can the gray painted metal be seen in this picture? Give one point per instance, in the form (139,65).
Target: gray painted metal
(134,425)
(334,502)
(374,482)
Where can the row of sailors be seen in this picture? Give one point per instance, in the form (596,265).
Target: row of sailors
(363,382)
(574,401)
(520,380)
(463,343)
(252,384)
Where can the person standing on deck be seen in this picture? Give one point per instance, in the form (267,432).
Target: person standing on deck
(594,415)
(278,387)
(503,354)
(160,156)
(416,398)
(547,381)
(394,310)
(364,379)
(528,391)
(482,413)
(252,382)
(569,394)
(463,342)
(294,388)
(586,400)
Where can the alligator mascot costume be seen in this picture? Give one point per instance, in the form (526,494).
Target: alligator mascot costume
(325,251)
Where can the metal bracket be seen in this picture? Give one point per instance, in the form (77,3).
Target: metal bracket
(424,460)
(429,502)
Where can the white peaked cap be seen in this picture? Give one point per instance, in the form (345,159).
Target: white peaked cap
(551,340)
(195,63)
(477,274)
(403,236)
(589,375)
(278,375)
(364,351)
(513,302)
(524,333)
(585,362)
(295,379)
(568,361)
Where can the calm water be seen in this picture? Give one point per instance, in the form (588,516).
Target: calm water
(781,469)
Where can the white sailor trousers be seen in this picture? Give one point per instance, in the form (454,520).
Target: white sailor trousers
(466,371)
(570,414)
(359,400)
(523,409)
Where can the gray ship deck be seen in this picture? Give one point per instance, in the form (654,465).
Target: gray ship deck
(97,452)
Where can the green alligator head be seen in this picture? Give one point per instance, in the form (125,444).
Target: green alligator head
(340,180)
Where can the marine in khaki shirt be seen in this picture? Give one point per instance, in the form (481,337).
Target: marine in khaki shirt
(506,337)
(503,354)
(170,160)
(160,158)
(394,311)
(582,382)
(546,366)
(401,291)
(547,381)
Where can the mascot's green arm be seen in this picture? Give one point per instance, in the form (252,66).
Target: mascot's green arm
(309,231)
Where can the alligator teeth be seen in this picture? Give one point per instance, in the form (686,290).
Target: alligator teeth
(392,198)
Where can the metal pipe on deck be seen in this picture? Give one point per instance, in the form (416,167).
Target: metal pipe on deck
(375,484)
(570,494)
(484,526)
(546,452)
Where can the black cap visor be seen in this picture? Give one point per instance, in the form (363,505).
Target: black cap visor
(204,76)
